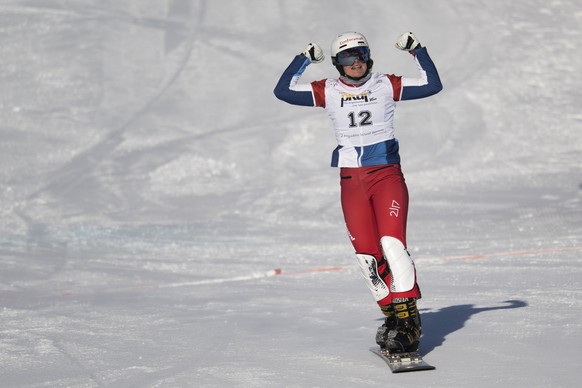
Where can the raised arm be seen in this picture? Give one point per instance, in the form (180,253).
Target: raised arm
(288,88)
(429,82)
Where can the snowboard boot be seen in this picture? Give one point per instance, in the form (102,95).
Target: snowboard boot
(389,325)
(405,337)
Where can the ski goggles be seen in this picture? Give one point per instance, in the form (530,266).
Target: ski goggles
(349,56)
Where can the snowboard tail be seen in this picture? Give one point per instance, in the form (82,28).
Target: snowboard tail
(403,362)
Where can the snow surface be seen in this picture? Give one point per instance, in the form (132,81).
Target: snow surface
(166,222)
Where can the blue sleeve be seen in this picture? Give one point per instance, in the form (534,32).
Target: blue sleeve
(433,86)
(283,91)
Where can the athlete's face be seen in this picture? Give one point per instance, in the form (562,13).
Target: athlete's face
(356,70)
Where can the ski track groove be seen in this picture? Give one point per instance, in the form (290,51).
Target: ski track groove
(70,175)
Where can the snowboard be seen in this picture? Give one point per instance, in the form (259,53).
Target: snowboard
(403,362)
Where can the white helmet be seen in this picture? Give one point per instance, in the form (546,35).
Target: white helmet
(348,40)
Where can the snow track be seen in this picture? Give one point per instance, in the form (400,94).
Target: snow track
(165,221)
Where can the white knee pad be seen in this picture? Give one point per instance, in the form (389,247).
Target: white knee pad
(401,265)
(369,268)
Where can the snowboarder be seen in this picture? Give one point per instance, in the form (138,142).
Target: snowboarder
(374,195)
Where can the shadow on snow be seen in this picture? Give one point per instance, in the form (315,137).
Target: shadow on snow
(439,324)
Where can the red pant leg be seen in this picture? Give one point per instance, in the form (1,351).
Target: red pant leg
(361,219)
(389,196)
(358,213)
(375,204)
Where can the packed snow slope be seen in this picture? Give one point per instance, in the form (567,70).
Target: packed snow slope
(165,221)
